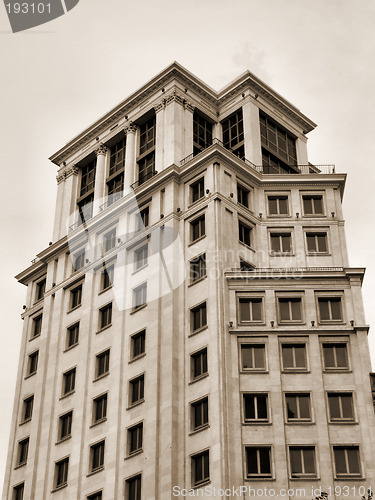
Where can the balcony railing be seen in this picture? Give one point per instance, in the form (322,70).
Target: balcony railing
(143,179)
(112,198)
(287,269)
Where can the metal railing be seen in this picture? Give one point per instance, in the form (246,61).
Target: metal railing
(112,198)
(287,269)
(143,179)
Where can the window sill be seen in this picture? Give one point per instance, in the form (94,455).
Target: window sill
(295,370)
(139,269)
(100,377)
(104,328)
(197,379)
(34,337)
(291,322)
(304,477)
(58,488)
(67,395)
(197,240)
(251,323)
(62,440)
(246,246)
(136,358)
(313,215)
(105,290)
(73,309)
(331,322)
(277,216)
(192,203)
(201,485)
(71,347)
(259,478)
(343,422)
(256,422)
(299,422)
(25,421)
(313,254)
(30,375)
(197,431)
(133,454)
(349,478)
(247,371)
(199,330)
(98,422)
(282,254)
(19,466)
(139,308)
(96,471)
(137,403)
(38,301)
(197,281)
(337,370)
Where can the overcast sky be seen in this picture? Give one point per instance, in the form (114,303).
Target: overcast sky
(60,77)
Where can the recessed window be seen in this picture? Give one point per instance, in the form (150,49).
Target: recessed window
(40,289)
(32,363)
(347,462)
(198,364)
(138,344)
(255,408)
(109,240)
(79,260)
(72,335)
(198,317)
(313,204)
(142,219)
(95,496)
(202,133)
(141,257)
(27,409)
(302,461)
(133,488)
(135,439)
(107,277)
(200,468)
(298,407)
(115,189)
(85,204)
(197,228)
(65,426)
(330,309)
(198,268)
(37,325)
(197,190)
(278,205)
(85,208)
(243,195)
(341,407)
(253,357)
(18,491)
(69,381)
(335,356)
(115,180)
(76,297)
(294,356)
(199,414)
(105,316)
(136,390)
(97,456)
(278,147)
(250,309)
(102,364)
(290,309)
(99,411)
(244,233)
(139,296)
(316,242)
(245,266)
(61,473)
(23,450)
(233,134)
(281,242)
(258,461)
(146,158)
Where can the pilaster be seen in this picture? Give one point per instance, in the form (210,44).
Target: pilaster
(253,150)
(130,131)
(99,191)
(67,179)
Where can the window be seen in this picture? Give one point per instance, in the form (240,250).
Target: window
(294,356)
(197,228)
(136,390)
(197,190)
(109,240)
(250,309)
(298,407)
(199,414)
(243,195)
(281,242)
(198,317)
(115,189)
(69,381)
(107,277)
(290,309)
(278,147)
(143,218)
(198,364)
(33,363)
(27,409)
(255,407)
(139,296)
(18,491)
(117,157)
(341,407)
(330,309)
(244,232)
(138,343)
(79,260)
(258,461)
(198,268)
(200,468)
(88,178)
(313,204)
(202,133)
(37,325)
(76,297)
(99,412)
(85,209)
(146,158)
(105,316)
(302,461)
(61,473)
(95,496)
(97,456)
(65,426)
(135,438)
(253,357)
(23,449)
(347,462)
(335,356)
(141,257)
(316,242)
(102,364)
(233,135)
(278,205)
(245,266)
(134,488)
(40,289)
(72,335)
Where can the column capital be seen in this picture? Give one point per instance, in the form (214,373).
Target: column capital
(131,128)
(174,97)
(65,172)
(102,150)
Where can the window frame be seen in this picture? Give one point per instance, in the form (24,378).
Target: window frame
(265,476)
(278,195)
(141,390)
(302,475)
(107,277)
(245,226)
(72,331)
(40,289)
(105,316)
(75,291)
(280,233)
(60,427)
(202,317)
(133,338)
(298,420)
(203,351)
(27,403)
(240,190)
(142,289)
(71,372)
(32,363)
(254,343)
(23,446)
(79,260)
(138,429)
(62,462)
(97,495)
(100,371)
(313,194)
(129,481)
(96,401)
(290,298)
(200,122)
(205,455)
(98,445)
(109,240)
(202,232)
(253,298)
(142,218)
(316,232)
(234,120)
(341,420)
(193,405)
(334,343)
(198,268)
(294,343)
(347,475)
(256,420)
(141,251)
(36,329)
(201,194)
(18,491)
(336,296)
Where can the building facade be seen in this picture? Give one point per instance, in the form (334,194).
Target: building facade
(194,323)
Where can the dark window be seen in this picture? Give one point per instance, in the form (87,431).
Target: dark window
(141,256)
(107,277)
(281,242)
(298,407)
(117,157)
(335,356)
(253,357)
(27,409)
(258,461)
(99,408)
(105,316)
(243,196)
(245,266)
(202,133)
(330,308)
(23,450)
(33,363)
(244,233)
(85,208)
(198,364)
(197,190)
(115,189)
(198,317)
(97,456)
(18,492)
(198,268)
(136,389)
(110,240)
(76,297)
(294,356)
(146,159)
(200,467)
(199,414)
(277,144)
(61,473)
(138,342)
(134,488)
(102,364)
(341,407)
(146,168)
(40,289)
(278,205)
(255,407)
(347,461)
(198,228)
(290,309)
(316,242)
(143,219)
(302,461)
(88,178)
(65,426)
(233,135)
(72,335)
(69,381)
(79,260)
(139,296)
(250,309)
(313,205)
(135,438)
(95,496)
(37,325)
(147,136)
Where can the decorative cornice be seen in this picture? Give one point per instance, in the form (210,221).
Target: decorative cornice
(174,97)
(65,172)
(102,150)
(131,128)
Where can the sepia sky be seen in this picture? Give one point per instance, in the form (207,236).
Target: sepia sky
(58,78)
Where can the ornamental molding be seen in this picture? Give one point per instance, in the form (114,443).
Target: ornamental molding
(65,172)
(102,150)
(174,97)
(131,128)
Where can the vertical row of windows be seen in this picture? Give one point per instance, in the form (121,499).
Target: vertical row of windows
(115,180)
(233,134)
(146,158)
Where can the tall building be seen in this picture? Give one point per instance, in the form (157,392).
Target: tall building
(194,323)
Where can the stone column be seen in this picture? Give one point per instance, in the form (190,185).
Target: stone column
(99,191)
(66,202)
(130,164)
(251,125)
(159,138)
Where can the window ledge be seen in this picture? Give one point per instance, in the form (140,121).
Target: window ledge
(197,379)
(62,440)
(133,311)
(34,337)
(259,478)
(197,240)
(256,422)
(282,254)
(71,347)
(98,422)
(101,377)
(349,478)
(25,421)
(249,370)
(277,216)
(337,370)
(104,328)
(96,471)
(313,254)
(195,332)
(196,201)
(251,323)
(198,280)
(136,358)
(331,322)
(201,485)
(311,216)
(300,422)
(303,477)
(137,403)
(30,375)
(58,488)
(246,246)
(134,454)
(67,395)
(105,290)
(291,322)
(71,310)
(197,431)
(295,370)
(38,301)
(343,422)
(19,466)
(139,269)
